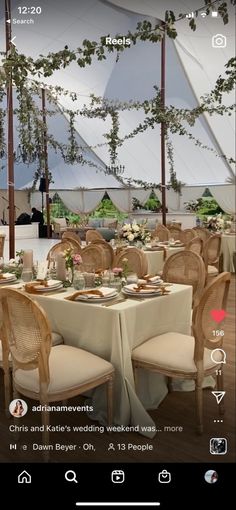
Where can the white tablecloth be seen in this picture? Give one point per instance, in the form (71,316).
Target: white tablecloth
(112,333)
(228,246)
(156,259)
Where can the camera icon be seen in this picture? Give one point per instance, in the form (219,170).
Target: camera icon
(219,41)
(164,476)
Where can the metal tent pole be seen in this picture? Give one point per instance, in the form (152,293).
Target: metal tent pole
(46,161)
(163,127)
(10,137)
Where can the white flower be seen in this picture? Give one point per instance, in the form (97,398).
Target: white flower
(135,228)
(131,237)
(12,262)
(126,226)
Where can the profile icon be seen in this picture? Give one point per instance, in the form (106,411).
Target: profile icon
(211,476)
(18,408)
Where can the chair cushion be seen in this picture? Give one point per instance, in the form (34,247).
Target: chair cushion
(173,351)
(212,270)
(57,339)
(69,368)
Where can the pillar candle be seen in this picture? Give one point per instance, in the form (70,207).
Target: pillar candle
(60,267)
(28,259)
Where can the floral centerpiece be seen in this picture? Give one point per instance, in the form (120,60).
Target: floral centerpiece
(217,223)
(72,260)
(133,232)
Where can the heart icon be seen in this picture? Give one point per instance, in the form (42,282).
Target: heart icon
(218,315)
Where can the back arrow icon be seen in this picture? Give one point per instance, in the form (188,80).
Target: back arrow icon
(13,40)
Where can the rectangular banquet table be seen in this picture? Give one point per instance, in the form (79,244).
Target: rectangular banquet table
(112,332)
(228,246)
(156,259)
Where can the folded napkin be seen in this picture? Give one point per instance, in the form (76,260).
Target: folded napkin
(93,293)
(152,279)
(6,276)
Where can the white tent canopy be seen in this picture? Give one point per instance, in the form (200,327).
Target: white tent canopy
(192,67)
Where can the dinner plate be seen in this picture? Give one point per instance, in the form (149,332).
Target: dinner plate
(177,245)
(128,289)
(47,289)
(95,299)
(142,294)
(8,277)
(157,281)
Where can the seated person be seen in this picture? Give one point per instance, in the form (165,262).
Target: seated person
(37,216)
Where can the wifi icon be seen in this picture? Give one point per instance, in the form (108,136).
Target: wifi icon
(203,14)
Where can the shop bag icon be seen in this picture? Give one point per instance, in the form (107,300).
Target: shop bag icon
(164,476)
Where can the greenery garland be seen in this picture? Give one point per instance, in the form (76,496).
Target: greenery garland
(31,128)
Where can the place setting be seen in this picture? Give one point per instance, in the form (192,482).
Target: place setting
(7,278)
(98,295)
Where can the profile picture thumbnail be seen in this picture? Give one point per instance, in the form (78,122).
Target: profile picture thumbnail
(18,408)
(211,476)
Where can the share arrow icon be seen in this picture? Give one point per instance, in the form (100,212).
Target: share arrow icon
(219,395)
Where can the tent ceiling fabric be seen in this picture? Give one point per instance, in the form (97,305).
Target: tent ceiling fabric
(191,71)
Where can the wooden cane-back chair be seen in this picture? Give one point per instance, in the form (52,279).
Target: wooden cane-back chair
(71,236)
(108,252)
(187,235)
(93,256)
(175,232)
(195,245)
(59,248)
(162,233)
(188,268)
(203,233)
(211,254)
(137,261)
(92,235)
(176,355)
(37,369)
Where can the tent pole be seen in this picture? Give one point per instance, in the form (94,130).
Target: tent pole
(10,138)
(163,127)
(46,161)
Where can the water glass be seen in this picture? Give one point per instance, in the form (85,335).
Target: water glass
(116,284)
(78,281)
(27,275)
(132,278)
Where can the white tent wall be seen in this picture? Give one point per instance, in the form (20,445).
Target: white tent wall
(86,201)
(22,204)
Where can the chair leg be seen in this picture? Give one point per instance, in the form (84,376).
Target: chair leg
(169,384)
(199,405)
(135,372)
(110,401)
(220,387)
(7,390)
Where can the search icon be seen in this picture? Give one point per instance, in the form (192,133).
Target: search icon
(70,476)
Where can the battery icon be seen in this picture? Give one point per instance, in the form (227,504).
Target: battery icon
(214,14)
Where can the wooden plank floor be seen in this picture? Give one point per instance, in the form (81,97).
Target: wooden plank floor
(176,410)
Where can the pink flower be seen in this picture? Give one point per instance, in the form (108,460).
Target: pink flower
(77,259)
(117,270)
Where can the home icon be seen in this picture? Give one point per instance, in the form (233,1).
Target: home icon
(24,477)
